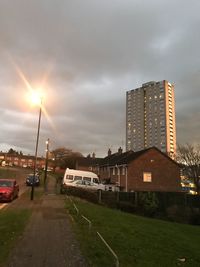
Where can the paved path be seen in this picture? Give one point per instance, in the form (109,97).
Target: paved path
(48,240)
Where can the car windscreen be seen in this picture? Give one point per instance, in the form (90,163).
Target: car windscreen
(79,182)
(31,177)
(6,183)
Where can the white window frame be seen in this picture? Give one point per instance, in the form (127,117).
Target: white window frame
(113,171)
(147,177)
(123,170)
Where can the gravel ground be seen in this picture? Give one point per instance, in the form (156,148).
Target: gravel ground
(48,240)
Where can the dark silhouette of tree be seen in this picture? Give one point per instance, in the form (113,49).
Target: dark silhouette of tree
(189,157)
(65,158)
(11,151)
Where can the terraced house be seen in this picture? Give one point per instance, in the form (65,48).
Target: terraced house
(145,170)
(25,161)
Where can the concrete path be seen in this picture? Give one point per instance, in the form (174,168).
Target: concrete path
(48,240)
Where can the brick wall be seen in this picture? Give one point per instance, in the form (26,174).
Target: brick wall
(164,173)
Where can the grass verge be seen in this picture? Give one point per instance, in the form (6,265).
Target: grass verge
(137,241)
(7,173)
(12,224)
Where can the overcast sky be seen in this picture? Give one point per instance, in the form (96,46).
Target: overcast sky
(86,55)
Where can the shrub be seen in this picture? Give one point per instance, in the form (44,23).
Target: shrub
(126,206)
(82,193)
(148,203)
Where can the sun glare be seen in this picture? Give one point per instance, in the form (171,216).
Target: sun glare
(36,98)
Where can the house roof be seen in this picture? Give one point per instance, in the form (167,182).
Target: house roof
(89,161)
(18,156)
(117,158)
(126,157)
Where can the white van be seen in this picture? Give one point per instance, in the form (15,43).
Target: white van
(74,175)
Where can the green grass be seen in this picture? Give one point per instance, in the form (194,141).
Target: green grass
(12,224)
(137,241)
(7,173)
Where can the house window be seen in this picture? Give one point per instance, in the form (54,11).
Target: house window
(147,177)
(113,171)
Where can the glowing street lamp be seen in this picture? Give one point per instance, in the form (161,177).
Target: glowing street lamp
(36,99)
(46,165)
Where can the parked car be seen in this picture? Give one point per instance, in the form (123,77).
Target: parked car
(86,185)
(33,180)
(9,189)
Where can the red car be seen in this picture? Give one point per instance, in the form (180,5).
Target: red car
(9,189)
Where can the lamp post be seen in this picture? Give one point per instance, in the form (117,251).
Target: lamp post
(36,149)
(46,165)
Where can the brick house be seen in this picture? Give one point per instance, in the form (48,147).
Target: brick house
(22,160)
(145,170)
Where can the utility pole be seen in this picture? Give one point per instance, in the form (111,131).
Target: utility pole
(46,165)
(36,150)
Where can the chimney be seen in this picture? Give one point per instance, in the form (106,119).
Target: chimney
(109,152)
(120,150)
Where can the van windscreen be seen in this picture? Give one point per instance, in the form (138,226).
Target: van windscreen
(95,180)
(77,178)
(88,179)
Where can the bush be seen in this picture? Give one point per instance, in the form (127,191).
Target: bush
(148,203)
(80,192)
(126,206)
(176,213)
(194,217)
(183,214)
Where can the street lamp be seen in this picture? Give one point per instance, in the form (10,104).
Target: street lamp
(46,165)
(36,99)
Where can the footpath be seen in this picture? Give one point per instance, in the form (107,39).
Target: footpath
(48,240)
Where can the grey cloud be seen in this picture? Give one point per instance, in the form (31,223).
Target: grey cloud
(91,52)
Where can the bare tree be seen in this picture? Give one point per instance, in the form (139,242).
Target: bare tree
(65,157)
(189,157)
